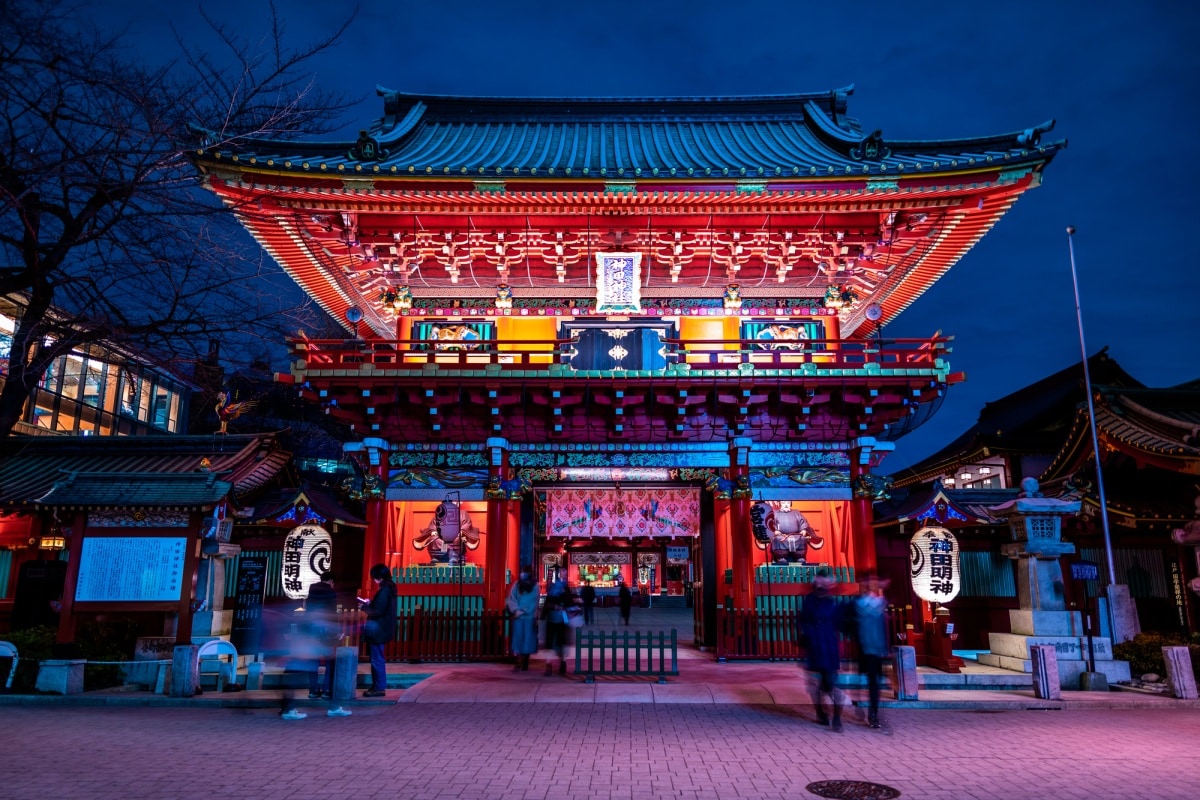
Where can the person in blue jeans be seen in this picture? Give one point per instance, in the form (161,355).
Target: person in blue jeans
(380,627)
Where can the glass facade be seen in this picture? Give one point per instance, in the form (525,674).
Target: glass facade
(95,392)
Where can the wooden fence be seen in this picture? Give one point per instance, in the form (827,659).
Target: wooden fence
(438,635)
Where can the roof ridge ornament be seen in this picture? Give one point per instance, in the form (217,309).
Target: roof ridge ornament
(871,148)
(366,148)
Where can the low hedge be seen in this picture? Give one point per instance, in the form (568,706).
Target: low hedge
(1144,652)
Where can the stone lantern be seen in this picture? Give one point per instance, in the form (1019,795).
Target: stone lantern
(1035,523)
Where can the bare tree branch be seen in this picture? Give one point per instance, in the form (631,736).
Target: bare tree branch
(106,235)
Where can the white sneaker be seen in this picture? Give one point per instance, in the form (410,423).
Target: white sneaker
(338,712)
(293,714)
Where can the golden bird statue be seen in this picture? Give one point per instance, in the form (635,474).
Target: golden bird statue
(227,411)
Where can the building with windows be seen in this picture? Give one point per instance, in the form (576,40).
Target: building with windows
(100,390)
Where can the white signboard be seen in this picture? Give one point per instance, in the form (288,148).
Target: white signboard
(935,569)
(145,569)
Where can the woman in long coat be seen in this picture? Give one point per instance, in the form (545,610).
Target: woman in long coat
(522,605)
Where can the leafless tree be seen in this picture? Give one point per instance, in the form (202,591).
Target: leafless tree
(105,234)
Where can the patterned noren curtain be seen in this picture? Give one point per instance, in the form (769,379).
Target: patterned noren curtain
(619,346)
(623,513)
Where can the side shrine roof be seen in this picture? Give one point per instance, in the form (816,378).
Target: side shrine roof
(1154,427)
(1033,419)
(937,505)
(182,490)
(285,505)
(805,135)
(38,469)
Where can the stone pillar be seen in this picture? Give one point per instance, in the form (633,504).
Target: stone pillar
(345,673)
(905,661)
(741,538)
(1125,624)
(1046,684)
(213,619)
(499,494)
(1179,672)
(185,670)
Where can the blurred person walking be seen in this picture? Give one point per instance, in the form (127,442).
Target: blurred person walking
(559,598)
(820,619)
(867,625)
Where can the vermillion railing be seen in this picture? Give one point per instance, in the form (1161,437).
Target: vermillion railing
(415,354)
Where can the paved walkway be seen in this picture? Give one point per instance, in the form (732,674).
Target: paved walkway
(574,751)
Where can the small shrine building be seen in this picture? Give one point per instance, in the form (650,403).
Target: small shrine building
(619,335)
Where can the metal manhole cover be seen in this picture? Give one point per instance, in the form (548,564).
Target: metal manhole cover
(852,790)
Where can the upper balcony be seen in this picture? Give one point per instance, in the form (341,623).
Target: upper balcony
(814,390)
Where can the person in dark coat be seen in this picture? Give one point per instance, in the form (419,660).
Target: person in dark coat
(820,621)
(380,627)
(522,605)
(588,596)
(624,602)
(320,612)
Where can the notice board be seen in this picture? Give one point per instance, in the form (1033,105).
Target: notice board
(137,568)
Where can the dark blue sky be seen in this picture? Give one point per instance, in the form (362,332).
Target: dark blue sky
(1122,79)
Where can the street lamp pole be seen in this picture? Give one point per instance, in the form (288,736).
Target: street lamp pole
(1087,385)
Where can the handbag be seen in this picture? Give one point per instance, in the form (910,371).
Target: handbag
(575,617)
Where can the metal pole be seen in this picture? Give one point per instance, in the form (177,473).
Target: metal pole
(1087,385)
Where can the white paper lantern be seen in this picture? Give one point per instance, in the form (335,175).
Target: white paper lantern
(936,573)
(307,552)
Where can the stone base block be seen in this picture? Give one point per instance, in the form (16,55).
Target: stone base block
(212,624)
(1093,682)
(1029,622)
(61,676)
(1124,613)
(1113,672)
(1066,647)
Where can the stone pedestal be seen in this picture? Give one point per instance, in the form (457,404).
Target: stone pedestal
(61,676)
(254,675)
(185,670)
(1179,672)
(1125,624)
(905,661)
(148,652)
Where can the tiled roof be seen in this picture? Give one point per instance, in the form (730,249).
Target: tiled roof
(967,506)
(800,135)
(30,466)
(195,490)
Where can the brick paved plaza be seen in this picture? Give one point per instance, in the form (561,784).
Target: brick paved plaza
(567,750)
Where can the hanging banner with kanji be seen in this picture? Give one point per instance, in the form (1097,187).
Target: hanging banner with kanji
(622,513)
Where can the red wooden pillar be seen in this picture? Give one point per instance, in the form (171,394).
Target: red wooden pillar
(498,513)
(862,533)
(372,456)
(740,545)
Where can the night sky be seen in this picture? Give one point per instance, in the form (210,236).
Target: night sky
(1120,78)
